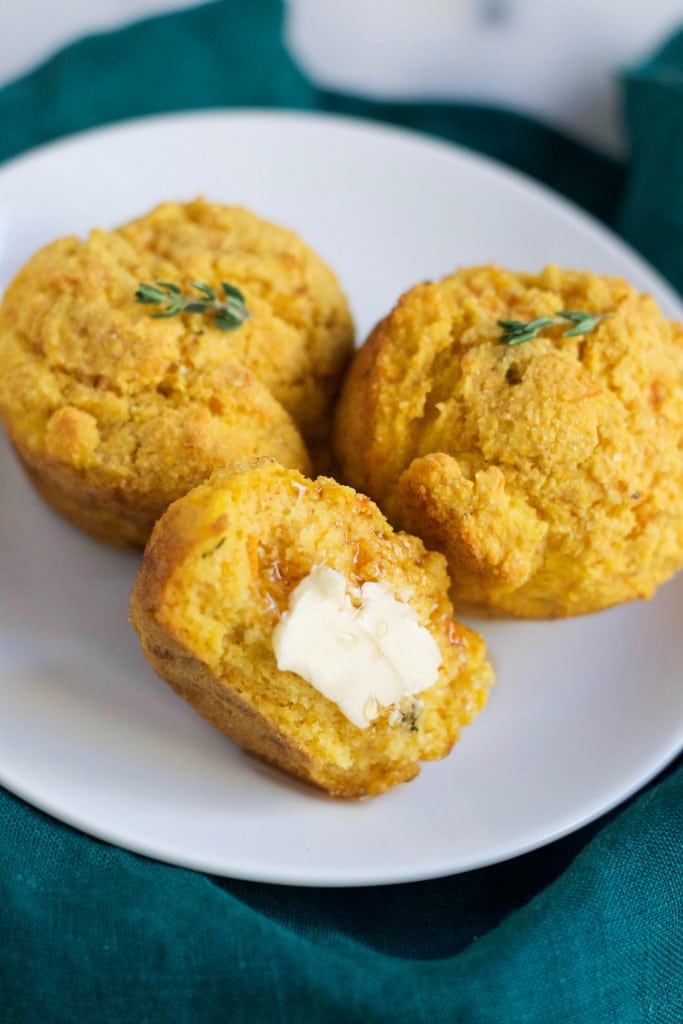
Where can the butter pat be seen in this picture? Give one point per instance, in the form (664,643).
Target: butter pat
(359,647)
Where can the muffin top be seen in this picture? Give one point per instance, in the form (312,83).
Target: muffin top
(549,471)
(78,349)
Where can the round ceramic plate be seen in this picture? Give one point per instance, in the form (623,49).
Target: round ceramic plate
(583,713)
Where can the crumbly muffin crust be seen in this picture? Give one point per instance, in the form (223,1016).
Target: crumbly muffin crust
(549,473)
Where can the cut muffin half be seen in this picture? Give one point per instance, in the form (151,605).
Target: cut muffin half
(261,570)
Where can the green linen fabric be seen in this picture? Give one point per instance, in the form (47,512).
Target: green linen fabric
(586,931)
(651,217)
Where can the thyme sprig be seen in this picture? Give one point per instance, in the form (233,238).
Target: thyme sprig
(227,315)
(517,331)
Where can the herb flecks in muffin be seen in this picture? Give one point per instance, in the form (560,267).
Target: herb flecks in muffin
(517,331)
(407,714)
(211,551)
(227,315)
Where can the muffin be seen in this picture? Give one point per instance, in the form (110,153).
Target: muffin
(544,463)
(115,411)
(289,613)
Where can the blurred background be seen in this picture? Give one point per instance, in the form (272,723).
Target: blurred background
(555,60)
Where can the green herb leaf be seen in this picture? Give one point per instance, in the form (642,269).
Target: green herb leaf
(227,316)
(517,331)
(206,289)
(148,293)
(170,287)
(584,323)
(195,307)
(231,292)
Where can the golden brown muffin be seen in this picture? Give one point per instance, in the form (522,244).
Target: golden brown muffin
(216,584)
(549,472)
(115,413)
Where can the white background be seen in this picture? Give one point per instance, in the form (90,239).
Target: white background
(554,59)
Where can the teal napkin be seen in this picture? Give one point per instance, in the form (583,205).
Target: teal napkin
(651,216)
(588,930)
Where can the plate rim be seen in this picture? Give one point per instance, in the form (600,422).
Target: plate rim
(336,880)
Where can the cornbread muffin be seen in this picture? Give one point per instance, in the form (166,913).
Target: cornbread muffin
(548,472)
(115,413)
(218,583)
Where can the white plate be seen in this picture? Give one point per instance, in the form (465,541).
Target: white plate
(584,712)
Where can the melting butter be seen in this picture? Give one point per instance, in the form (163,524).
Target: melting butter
(359,647)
